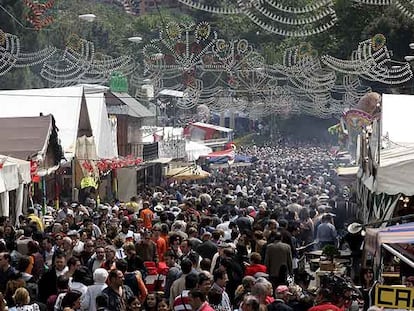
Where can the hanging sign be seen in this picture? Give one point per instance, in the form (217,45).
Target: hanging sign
(394,297)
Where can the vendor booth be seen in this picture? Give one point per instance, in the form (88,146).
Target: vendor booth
(390,251)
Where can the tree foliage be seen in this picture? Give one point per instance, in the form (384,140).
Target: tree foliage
(356,22)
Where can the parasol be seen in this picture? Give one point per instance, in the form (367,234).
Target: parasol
(193,172)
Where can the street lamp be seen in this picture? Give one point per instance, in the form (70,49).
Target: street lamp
(135,39)
(87,17)
(409,58)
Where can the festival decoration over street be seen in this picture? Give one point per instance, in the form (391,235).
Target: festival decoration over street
(11,55)
(38,13)
(193,61)
(277,16)
(79,63)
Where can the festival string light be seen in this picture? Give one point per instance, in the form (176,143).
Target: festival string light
(81,64)
(11,55)
(372,61)
(38,14)
(276,17)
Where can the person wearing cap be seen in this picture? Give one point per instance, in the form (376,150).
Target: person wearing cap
(326,232)
(207,248)
(282,294)
(77,245)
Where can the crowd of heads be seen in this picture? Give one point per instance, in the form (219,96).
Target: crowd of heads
(209,238)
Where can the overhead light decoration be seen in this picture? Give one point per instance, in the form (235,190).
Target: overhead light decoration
(372,61)
(79,63)
(406,7)
(277,16)
(176,57)
(38,13)
(11,55)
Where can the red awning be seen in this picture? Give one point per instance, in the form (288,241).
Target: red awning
(222,153)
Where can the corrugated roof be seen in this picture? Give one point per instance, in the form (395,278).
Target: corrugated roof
(136,109)
(23,138)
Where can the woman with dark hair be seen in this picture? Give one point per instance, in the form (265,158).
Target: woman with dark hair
(175,242)
(162,305)
(367,281)
(133,304)
(150,303)
(71,300)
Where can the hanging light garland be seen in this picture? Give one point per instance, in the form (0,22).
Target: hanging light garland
(12,57)
(81,64)
(372,61)
(38,13)
(275,17)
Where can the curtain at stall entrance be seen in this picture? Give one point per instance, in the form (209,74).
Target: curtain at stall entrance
(19,203)
(5,201)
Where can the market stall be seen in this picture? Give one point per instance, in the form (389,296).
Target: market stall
(390,251)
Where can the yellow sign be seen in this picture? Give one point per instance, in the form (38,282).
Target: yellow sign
(394,297)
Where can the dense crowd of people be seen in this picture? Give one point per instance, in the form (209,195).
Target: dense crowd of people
(233,242)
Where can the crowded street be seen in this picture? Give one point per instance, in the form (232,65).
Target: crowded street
(206,155)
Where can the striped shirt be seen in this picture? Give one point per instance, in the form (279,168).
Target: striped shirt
(182,302)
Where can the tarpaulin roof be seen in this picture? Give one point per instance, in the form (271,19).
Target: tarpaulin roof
(396,163)
(65,104)
(394,174)
(25,137)
(104,134)
(222,153)
(393,234)
(192,172)
(212,126)
(194,150)
(13,173)
(129,106)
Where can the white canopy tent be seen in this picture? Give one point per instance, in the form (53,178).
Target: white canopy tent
(394,174)
(396,161)
(66,104)
(194,150)
(103,130)
(14,174)
(74,108)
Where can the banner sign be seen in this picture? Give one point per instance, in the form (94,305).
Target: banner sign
(394,297)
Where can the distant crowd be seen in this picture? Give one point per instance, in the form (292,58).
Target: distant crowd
(233,242)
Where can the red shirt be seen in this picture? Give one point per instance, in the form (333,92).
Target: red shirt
(326,306)
(205,307)
(254,268)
